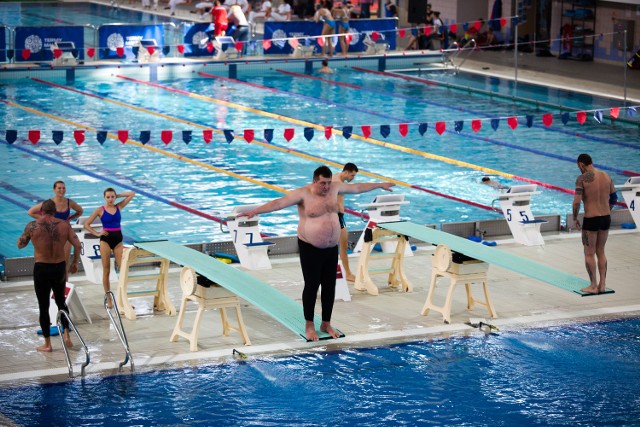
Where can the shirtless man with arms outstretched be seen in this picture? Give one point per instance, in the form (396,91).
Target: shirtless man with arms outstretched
(318,238)
(595,190)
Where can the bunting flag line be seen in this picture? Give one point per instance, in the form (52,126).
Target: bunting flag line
(309,133)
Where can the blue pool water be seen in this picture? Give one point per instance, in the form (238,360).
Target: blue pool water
(582,374)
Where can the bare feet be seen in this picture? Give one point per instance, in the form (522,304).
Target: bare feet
(45,348)
(326,327)
(590,290)
(351,278)
(67,340)
(310,331)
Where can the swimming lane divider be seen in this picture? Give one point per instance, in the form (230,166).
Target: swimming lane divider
(24,194)
(509,98)
(15,202)
(304,155)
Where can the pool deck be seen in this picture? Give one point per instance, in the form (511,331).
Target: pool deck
(366,320)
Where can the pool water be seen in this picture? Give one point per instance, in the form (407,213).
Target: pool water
(580,374)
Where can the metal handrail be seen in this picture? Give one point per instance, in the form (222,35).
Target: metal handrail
(119,328)
(64,345)
(459,51)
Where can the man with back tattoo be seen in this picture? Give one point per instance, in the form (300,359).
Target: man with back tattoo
(594,188)
(49,236)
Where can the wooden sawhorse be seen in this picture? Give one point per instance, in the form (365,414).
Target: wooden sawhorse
(215,297)
(467,272)
(396,274)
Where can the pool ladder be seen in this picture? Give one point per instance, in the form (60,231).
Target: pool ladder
(117,325)
(470,46)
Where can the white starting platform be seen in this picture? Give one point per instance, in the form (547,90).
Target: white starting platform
(64,53)
(90,252)
(147,51)
(377,47)
(252,251)
(225,48)
(303,51)
(516,208)
(631,193)
(76,308)
(384,208)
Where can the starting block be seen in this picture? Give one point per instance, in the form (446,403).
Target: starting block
(147,51)
(516,208)
(77,309)
(301,51)
(377,47)
(631,193)
(213,296)
(252,251)
(342,288)
(64,53)
(90,252)
(384,208)
(465,270)
(225,48)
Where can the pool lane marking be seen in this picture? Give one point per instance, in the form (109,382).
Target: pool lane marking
(402,120)
(277,148)
(355,136)
(22,193)
(15,202)
(509,98)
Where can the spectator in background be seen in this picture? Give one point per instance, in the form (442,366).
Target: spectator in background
(365,9)
(282,13)
(438,33)
(219,19)
(238,20)
(265,11)
(390,9)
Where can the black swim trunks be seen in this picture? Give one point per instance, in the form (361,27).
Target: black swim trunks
(113,239)
(597,223)
(49,277)
(341,219)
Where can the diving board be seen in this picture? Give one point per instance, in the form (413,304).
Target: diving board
(494,256)
(256,292)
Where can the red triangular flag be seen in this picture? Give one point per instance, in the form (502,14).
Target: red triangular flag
(547,119)
(166,136)
(266,44)
(366,131)
(294,43)
(90,52)
(320,41)
(427,31)
(34,136)
(26,53)
(348,38)
(477,25)
(288,134)
(615,111)
(239,46)
(476,125)
(207,135)
(453,28)
(120,51)
(401,32)
(180,48)
(581,116)
(503,21)
(512,122)
(78,135)
(441,127)
(248,135)
(328,130)
(123,135)
(375,36)
(151,49)
(209,47)
(403,128)
(57,53)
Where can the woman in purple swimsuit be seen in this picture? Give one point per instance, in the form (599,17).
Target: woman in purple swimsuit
(111,234)
(64,206)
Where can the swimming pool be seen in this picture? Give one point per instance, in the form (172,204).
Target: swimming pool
(580,374)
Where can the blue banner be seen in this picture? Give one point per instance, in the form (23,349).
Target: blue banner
(34,43)
(302,30)
(3,43)
(115,39)
(194,34)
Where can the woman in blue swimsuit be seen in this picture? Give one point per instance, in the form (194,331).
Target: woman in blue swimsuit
(64,206)
(111,233)
(329,25)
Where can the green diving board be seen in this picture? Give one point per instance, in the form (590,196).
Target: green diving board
(491,255)
(273,302)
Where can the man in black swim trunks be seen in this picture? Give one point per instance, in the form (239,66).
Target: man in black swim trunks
(594,188)
(49,236)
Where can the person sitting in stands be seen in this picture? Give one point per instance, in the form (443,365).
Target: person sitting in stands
(265,11)
(282,13)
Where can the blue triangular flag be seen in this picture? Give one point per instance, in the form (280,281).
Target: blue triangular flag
(465,26)
(268,135)
(101,136)
(422,128)
(308,133)
(347,131)
(565,118)
(631,112)
(495,123)
(529,121)
(228,134)
(145,136)
(307,41)
(598,116)
(11,136)
(385,130)
(458,126)
(57,136)
(187,136)
(515,21)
